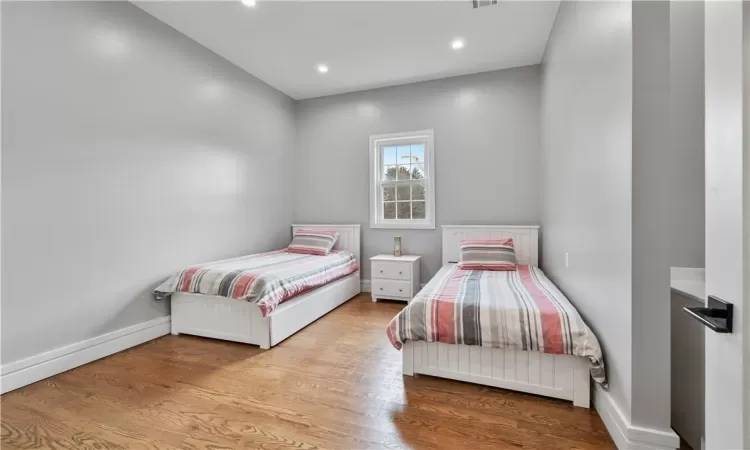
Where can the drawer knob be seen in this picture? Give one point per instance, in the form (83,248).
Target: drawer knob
(381,289)
(401,290)
(381,271)
(400,273)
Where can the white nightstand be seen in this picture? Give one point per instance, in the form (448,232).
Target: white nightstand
(394,277)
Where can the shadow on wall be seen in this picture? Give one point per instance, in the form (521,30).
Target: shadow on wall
(137,307)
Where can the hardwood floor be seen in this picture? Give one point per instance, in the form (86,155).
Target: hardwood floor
(337,384)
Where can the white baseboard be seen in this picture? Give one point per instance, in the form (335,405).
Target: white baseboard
(626,435)
(366,286)
(44,365)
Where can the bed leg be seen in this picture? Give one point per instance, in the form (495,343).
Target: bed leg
(265,341)
(581,384)
(374,299)
(262,330)
(407,353)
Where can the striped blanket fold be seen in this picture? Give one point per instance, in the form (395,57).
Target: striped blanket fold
(517,310)
(267,279)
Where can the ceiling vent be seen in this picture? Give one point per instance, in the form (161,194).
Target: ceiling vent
(482,3)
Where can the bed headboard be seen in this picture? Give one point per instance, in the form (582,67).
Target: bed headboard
(525,240)
(348,239)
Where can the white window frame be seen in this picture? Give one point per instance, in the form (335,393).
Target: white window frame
(377,142)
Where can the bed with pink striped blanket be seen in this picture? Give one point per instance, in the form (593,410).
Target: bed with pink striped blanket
(517,310)
(267,279)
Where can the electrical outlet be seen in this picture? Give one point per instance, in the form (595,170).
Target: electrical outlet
(567,260)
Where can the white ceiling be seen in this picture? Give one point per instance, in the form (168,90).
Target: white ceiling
(366,44)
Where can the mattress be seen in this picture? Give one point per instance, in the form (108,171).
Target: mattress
(518,309)
(267,279)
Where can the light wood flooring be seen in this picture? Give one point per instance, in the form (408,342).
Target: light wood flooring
(336,384)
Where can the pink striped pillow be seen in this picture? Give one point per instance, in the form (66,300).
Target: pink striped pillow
(490,254)
(313,241)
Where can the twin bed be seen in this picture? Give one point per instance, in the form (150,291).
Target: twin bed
(267,322)
(508,329)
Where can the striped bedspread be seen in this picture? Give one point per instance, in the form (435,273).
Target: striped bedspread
(518,310)
(267,279)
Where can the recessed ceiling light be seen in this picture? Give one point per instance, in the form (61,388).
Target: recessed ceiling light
(322,68)
(457,44)
(249,3)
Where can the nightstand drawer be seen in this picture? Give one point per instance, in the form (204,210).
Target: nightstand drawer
(392,270)
(391,288)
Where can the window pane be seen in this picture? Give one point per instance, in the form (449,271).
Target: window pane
(417,192)
(417,154)
(418,210)
(389,156)
(404,210)
(389,194)
(389,173)
(402,192)
(404,154)
(389,210)
(417,172)
(404,172)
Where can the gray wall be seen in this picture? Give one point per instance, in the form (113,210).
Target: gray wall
(586,173)
(668,185)
(654,226)
(618,193)
(129,151)
(687,95)
(746,114)
(486,152)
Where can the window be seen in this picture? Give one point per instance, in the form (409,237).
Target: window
(402,189)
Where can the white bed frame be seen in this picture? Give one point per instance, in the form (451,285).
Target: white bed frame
(233,320)
(559,376)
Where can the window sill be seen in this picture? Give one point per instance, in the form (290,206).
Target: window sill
(404,226)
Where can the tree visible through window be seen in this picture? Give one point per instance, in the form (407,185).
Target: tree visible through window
(403,182)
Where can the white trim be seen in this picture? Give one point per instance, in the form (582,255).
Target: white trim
(625,434)
(38,367)
(404,225)
(424,136)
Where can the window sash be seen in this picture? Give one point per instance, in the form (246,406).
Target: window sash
(396,213)
(398,182)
